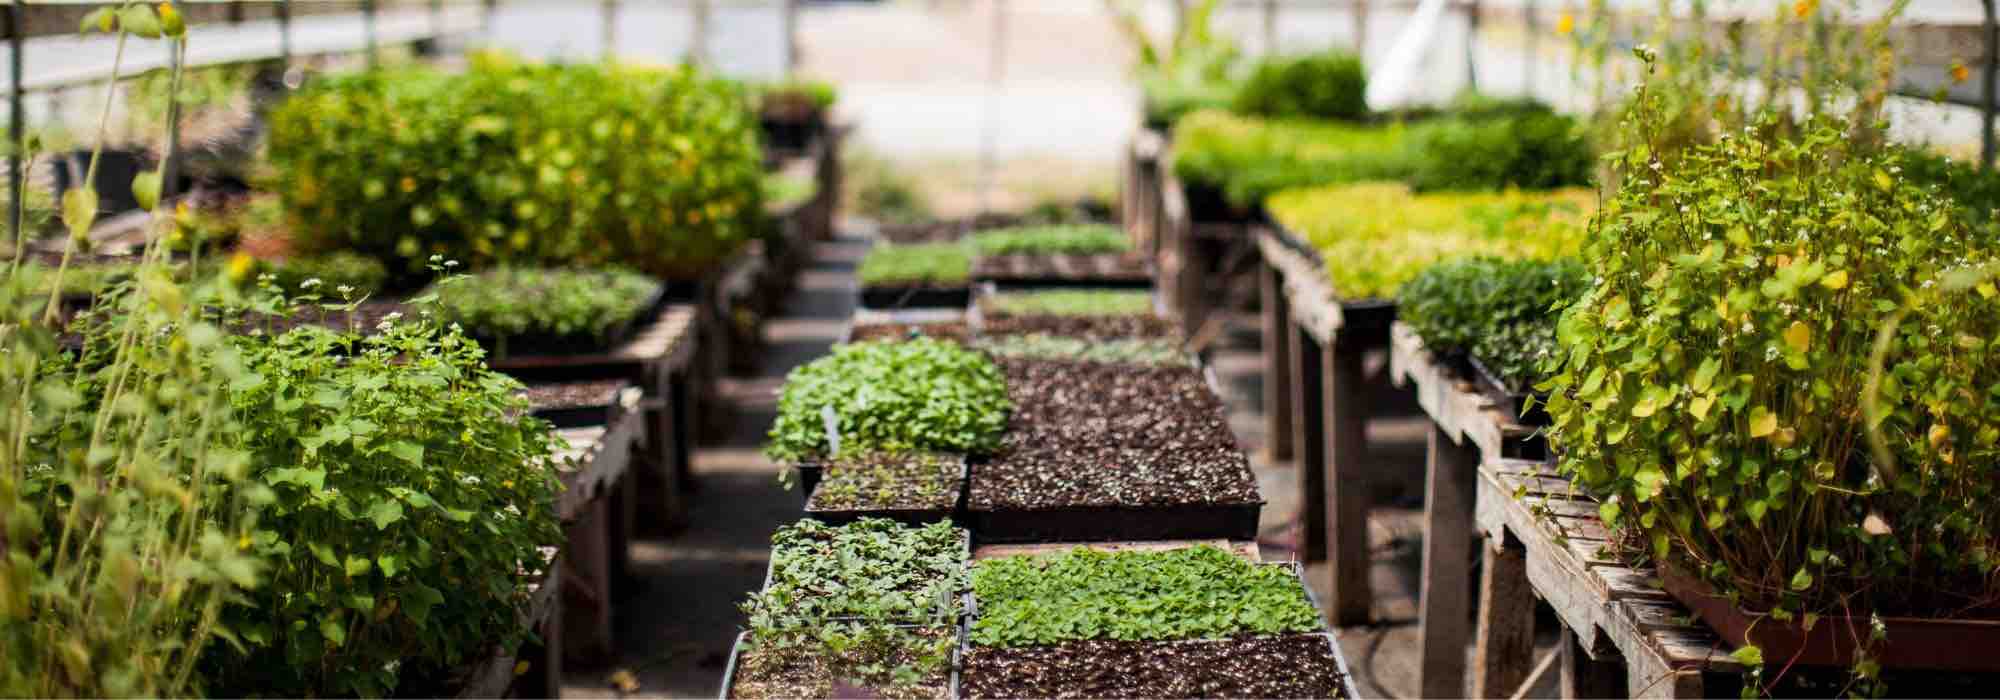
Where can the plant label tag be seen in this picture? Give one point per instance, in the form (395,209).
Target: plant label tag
(832,424)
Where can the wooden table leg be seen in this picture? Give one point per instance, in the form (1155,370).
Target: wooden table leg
(540,661)
(586,594)
(1309,436)
(1277,365)
(1346,484)
(1443,603)
(1585,677)
(624,518)
(665,451)
(684,400)
(1505,637)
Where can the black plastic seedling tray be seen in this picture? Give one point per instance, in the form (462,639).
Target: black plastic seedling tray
(1233,521)
(556,345)
(907,516)
(915,297)
(742,641)
(1513,402)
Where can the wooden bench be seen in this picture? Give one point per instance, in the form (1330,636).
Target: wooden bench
(1542,538)
(597,508)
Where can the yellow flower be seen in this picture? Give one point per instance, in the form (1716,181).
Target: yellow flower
(243,542)
(1959,72)
(240,266)
(1804,8)
(1565,24)
(508,484)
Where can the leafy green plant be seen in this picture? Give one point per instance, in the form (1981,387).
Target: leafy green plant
(1200,592)
(1070,302)
(1139,351)
(1249,158)
(1058,239)
(1535,150)
(1375,236)
(1501,312)
(1195,69)
(883,193)
(1975,191)
(1717,385)
(873,569)
(362,275)
(894,662)
(121,501)
(511,163)
(1327,85)
(793,93)
(785,189)
(557,303)
(918,394)
(915,264)
(412,512)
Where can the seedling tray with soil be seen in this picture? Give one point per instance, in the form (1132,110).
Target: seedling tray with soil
(872,570)
(911,297)
(812,672)
(1112,270)
(1090,314)
(1511,400)
(575,404)
(1289,666)
(957,332)
(914,489)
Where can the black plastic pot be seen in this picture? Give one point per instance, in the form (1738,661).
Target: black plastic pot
(915,297)
(1207,205)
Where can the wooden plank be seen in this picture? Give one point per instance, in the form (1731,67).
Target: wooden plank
(1444,607)
(1309,440)
(1556,575)
(1245,549)
(1349,596)
(1310,298)
(1505,638)
(586,599)
(1585,677)
(1278,375)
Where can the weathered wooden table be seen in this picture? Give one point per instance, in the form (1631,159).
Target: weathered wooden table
(597,508)
(1542,538)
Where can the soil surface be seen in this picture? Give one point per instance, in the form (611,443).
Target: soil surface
(1091,327)
(813,673)
(955,332)
(1299,666)
(555,395)
(911,482)
(1110,267)
(1102,434)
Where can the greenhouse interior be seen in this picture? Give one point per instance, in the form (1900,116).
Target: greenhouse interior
(1000,349)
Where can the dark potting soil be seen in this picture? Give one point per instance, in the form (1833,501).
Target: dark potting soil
(810,670)
(1052,394)
(574,394)
(956,332)
(1107,266)
(1044,478)
(1092,327)
(1300,666)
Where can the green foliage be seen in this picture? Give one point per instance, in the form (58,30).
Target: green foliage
(1717,384)
(1975,191)
(1199,592)
(915,264)
(1197,68)
(1138,351)
(412,511)
(507,163)
(1250,158)
(784,189)
(1375,236)
(919,394)
(1060,239)
(1326,85)
(1071,302)
(873,569)
(816,95)
(1499,311)
(884,193)
(555,303)
(1535,150)
(362,275)
(880,481)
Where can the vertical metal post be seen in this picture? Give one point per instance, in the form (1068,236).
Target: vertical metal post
(608,10)
(698,43)
(1471,42)
(996,72)
(285,32)
(1528,61)
(1987,87)
(1270,27)
(437,20)
(17,15)
(1361,29)
(488,8)
(791,37)
(170,170)
(368,26)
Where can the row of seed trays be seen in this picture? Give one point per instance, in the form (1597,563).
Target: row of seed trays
(267,449)
(1039,497)
(944,273)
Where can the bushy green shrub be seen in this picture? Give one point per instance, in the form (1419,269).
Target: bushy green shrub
(1976,191)
(1060,239)
(1719,384)
(1326,85)
(1501,312)
(411,513)
(1250,158)
(506,163)
(917,394)
(1530,150)
(553,303)
(915,264)
(1376,236)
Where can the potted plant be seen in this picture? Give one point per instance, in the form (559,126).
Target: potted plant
(1495,321)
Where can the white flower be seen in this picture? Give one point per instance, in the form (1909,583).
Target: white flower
(469,480)
(1770,353)
(437,258)
(512,510)
(344,289)
(393,316)
(310,283)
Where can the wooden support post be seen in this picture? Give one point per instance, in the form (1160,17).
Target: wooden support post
(285,33)
(608,31)
(170,175)
(698,46)
(17,117)
(666,426)
(791,20)
(1278,384)
(1309,441)
(1505,637)
(1270,27)
(1346,483)
(1444,605)
(1361,28)
(624,528)
(1585,677)
(586,594)
(1987,85)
